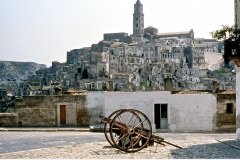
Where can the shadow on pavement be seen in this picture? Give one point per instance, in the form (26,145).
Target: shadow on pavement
(220,150)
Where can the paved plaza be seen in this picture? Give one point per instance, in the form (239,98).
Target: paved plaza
(196,146)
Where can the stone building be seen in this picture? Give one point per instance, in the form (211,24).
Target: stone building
(151,30)
(188,36)
(198,58)
(3,93)
(226,111)
(112,36)
(75,56)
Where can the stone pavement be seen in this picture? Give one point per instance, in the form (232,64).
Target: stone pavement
(195,146)
(44,129)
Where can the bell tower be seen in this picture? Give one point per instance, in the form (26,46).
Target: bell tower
(138,19)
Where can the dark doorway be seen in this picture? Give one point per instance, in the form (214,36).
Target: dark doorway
(157,115)
(62,114)
(161,116)
(229,108)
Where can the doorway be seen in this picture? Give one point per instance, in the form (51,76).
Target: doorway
(161,116)
(62,114)
(66,114)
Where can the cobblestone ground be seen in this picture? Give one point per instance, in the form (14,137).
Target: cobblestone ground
(195,146)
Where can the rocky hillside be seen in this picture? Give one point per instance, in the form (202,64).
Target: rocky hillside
(17,71)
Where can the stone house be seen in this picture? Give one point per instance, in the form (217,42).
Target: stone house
(198,58)
(187,36)
(3,93)
(111,36)
(75,56)
(226,111)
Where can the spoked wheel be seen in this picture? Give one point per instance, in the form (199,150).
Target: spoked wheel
(130,130)
(107,127)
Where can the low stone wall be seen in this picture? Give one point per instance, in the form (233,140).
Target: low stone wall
(8,119)
(36,111)
(40,111)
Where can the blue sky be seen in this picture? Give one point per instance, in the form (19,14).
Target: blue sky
(43,31)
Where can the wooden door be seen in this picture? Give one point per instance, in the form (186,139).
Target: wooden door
(62,114)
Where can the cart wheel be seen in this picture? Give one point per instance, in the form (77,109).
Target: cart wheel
(107,126)
(130,130)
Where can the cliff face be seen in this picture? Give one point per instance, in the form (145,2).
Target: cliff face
(17,71)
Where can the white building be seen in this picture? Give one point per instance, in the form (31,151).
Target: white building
(171,112)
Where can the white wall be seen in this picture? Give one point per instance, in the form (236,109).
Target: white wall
(186,112)
(96,105)
(192,112)
(213,59)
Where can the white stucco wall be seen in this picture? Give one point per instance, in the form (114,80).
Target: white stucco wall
(192,112)
(186,112)
(142,101)
(96,105)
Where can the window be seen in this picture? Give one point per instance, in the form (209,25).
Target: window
(136,18)
(136,24)
(229,108)
(79,70)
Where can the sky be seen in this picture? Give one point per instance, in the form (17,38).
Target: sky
(43,31)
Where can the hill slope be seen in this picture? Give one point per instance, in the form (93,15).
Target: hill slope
(17,71)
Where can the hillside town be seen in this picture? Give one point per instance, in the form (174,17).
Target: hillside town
(143,61)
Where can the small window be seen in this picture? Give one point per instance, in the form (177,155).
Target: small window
(229,108)
(79,70)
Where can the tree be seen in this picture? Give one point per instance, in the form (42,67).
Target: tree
(231,39)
